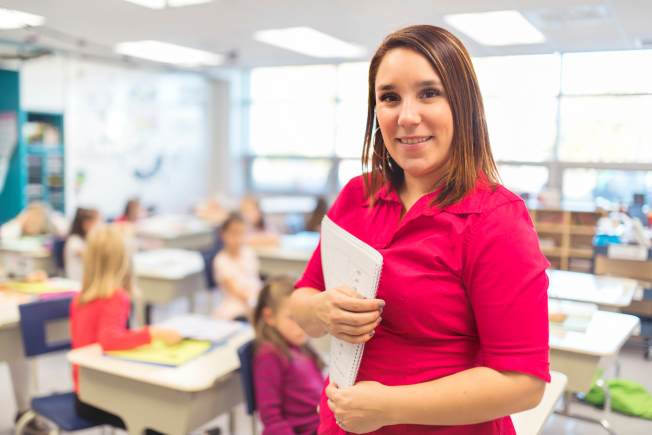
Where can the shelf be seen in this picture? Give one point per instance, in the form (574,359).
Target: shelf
(580,253)
(585,230)
(552,252)
(548,228)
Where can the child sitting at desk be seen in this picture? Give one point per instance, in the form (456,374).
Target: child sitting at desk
(236,272)
(133,212)
(98,314)
(35,220)
(73,251)
(287,372)
(258,232)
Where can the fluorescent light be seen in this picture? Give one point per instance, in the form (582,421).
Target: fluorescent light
(179,3)
(311,42)
(10,19)
(152,4)
(497,28)
(168,53)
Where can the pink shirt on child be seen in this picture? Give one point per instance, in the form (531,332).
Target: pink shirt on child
(287,391)
(464,287)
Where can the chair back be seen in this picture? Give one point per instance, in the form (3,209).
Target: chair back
(246,354)
(209,256)
(57,252)
(44,326)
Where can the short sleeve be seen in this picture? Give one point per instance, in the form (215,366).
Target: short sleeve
(223,269)
(505,276)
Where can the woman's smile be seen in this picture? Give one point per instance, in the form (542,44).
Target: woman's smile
(413,143)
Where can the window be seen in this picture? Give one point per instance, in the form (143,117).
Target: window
(576,123)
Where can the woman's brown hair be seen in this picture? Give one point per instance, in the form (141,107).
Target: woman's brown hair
(471,156)
(274,292)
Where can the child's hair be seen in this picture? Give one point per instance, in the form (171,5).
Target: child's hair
(107,263)
(82,215)
(274,292)
(233,217)
(37,213)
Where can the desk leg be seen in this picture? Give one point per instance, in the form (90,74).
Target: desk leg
(568,397)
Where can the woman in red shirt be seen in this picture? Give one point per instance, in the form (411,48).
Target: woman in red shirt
(460,326)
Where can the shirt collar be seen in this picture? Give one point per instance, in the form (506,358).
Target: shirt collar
(471,203)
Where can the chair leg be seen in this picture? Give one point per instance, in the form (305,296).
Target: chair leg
(616,368)
(22,423)
(607,394)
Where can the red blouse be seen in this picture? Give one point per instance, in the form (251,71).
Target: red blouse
(464,287)
(104,321)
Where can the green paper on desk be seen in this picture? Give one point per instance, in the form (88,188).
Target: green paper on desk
(34,288)
(160,353)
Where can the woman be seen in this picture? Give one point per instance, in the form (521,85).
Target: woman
(463,338)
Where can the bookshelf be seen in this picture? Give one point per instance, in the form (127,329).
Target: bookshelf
(565,236)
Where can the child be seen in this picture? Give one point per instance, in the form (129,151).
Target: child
(36,220)
(236,272)
(99,313)
(133,212)
(258,232)
(73,250)
(287,372)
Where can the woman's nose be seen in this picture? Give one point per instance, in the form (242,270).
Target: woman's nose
(409,115)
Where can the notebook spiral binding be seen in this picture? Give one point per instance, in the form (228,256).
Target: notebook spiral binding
(357,358)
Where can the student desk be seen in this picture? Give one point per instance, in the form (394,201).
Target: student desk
(172,400)
(11,340)
(175,231)
(603,290)
(533,421)
(166,274)
(22,256)
(579,355)
(290,257)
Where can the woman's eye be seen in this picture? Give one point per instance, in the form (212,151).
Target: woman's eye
(431,93)
(389,97)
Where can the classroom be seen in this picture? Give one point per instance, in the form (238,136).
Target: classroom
(280,217)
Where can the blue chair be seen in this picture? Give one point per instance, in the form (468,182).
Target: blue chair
(57,252)
(209,256)
(58,408)
(246,354)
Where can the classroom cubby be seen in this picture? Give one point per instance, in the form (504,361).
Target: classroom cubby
(565,236)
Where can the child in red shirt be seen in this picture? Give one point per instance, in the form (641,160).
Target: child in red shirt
(99,313)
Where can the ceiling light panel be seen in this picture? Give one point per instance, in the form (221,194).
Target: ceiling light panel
(311,42)
(169,53)
(152,4)
(11,19)
(496,28)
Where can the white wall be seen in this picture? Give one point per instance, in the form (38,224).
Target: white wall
(128,132)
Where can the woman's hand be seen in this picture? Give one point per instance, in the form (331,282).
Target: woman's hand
(361,408)
(345,314)
(169,336)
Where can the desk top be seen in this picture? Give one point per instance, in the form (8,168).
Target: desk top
(604,336)
(25,246)
(196,375)
(168,263)
(281,253)
(597,289)
(172,226)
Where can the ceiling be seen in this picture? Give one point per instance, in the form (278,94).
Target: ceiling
(226,26)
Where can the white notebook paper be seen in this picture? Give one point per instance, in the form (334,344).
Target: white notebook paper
(349,261)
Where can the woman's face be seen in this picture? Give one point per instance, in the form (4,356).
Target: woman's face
(413,112)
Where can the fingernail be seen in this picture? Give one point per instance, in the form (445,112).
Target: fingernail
(361,297)
(380,319)
(371,334)
(381,304)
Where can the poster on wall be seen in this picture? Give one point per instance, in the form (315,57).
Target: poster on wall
(8,141)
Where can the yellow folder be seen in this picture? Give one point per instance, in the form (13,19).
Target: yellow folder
(159,353)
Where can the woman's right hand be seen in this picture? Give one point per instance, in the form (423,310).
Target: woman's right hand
(346,314)
(169,336)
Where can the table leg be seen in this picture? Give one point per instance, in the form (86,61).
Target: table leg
(568,396)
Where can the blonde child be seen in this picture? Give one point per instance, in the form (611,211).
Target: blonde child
(75,246)
(236,270)
(287,373)
(99,313)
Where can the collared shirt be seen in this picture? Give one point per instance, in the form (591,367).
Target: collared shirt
(464,287)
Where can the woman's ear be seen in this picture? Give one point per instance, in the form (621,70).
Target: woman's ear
(268,316)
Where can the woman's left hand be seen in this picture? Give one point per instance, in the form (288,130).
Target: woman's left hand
(361,408)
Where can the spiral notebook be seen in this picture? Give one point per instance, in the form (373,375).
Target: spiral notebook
(349,261)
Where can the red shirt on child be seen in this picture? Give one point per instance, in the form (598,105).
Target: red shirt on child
(104,321)
(464,287)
